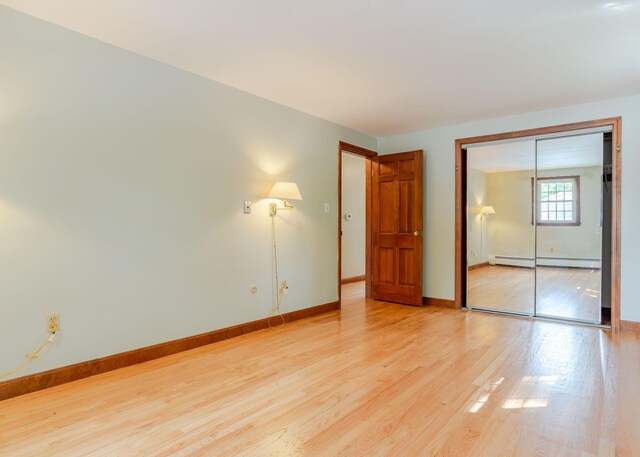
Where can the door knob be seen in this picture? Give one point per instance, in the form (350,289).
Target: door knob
(417,233)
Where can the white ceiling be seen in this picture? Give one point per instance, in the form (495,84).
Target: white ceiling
(555,153)
(381,67)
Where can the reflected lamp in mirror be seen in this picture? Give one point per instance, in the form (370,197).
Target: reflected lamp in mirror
(284,191)
(485,210)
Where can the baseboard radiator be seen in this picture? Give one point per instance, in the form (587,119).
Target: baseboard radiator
(528,262)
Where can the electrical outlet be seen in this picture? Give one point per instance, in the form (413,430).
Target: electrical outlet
(53,322)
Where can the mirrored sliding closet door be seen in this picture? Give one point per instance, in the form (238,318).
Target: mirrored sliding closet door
(538,225)
(500,236)
(568,217)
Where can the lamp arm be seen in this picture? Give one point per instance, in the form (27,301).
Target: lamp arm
(273,207)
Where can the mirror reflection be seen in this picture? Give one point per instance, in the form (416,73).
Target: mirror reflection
(569,231)
(501,244)
(534,227)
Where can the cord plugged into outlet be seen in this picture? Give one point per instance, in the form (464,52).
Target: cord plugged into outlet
(53,322)
(282,290)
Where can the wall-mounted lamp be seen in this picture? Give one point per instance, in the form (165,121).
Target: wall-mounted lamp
(486,210)
(284,191)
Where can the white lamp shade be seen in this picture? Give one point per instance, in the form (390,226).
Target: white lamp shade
(487,210)
(285,191)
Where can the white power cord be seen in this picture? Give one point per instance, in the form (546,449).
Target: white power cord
(281,288)
(53,338)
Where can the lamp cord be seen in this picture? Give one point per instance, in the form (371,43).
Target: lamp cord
(481,237)
(279,290)
(30,358)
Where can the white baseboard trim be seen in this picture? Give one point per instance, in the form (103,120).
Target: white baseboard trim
(567,262)
(510,261)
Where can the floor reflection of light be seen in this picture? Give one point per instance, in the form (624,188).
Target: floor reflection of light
(528,394)
(487,390)
(539,380)
(517,403)
(479,404)
(592,293)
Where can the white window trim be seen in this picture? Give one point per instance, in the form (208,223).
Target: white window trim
(575,220)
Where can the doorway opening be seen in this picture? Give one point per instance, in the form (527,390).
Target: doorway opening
(537,223)
(354,221)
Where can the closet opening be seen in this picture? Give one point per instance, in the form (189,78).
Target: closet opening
(537,223)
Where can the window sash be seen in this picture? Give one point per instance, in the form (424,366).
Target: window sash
(558,199)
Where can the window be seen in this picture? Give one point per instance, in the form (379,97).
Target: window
(558,200)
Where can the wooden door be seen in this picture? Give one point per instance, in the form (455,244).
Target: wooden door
(396,227)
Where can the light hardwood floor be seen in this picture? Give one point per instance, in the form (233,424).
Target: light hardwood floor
(372,379)
(570,293)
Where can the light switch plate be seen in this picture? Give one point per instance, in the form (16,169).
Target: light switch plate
(327,208)
(247,207)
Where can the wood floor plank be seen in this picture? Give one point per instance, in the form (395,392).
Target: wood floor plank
(372,379)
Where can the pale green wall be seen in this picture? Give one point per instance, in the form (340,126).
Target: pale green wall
(121,188)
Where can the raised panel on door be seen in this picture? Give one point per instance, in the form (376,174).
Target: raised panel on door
(405,207)
(386,265)
(388,211)
(405,267)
